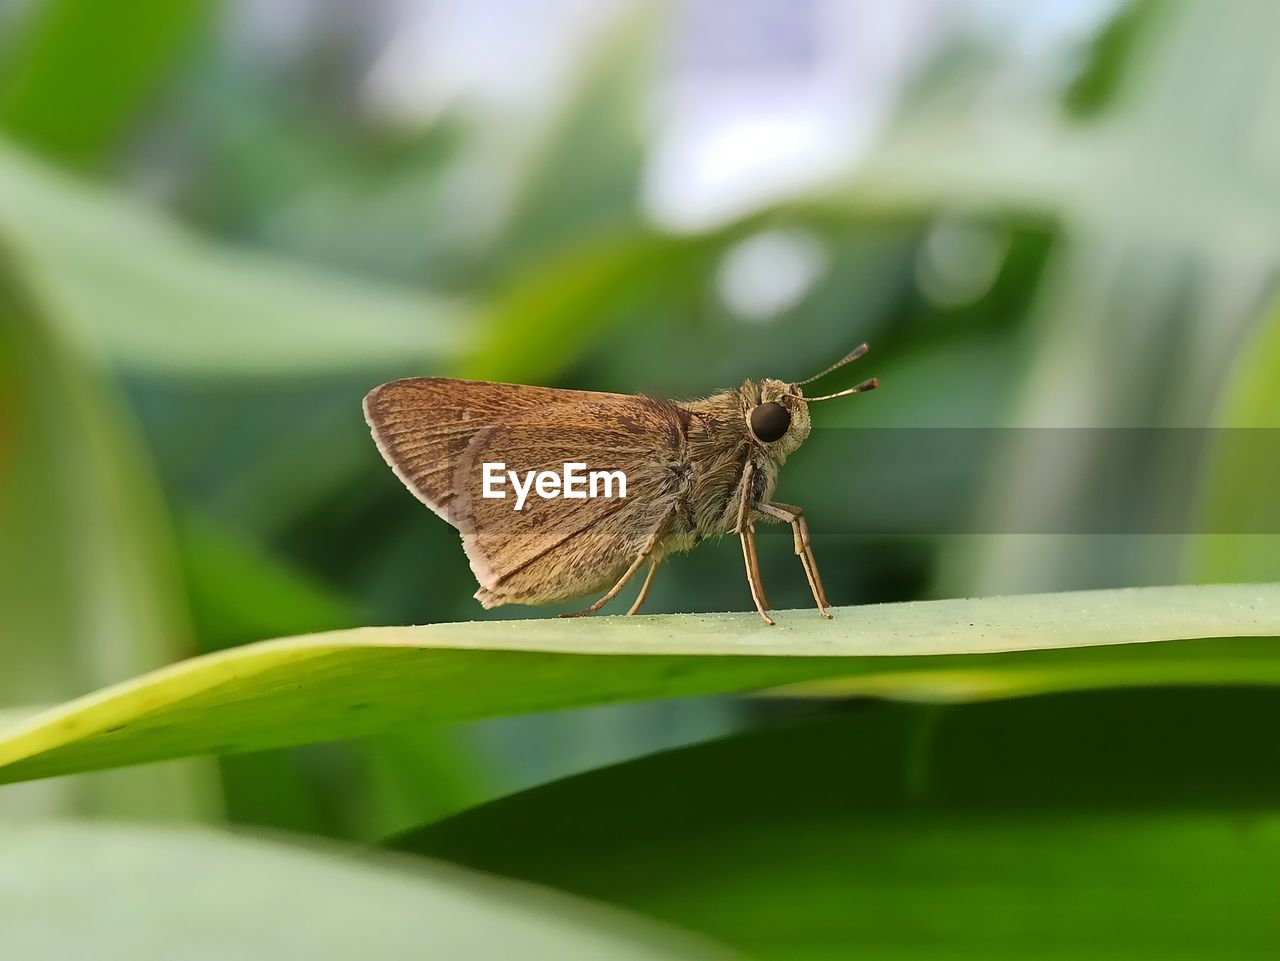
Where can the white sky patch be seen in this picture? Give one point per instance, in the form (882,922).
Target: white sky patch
(754,101)
(508,57)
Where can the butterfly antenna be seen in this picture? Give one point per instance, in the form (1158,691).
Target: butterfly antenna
(848,358)
(862,388)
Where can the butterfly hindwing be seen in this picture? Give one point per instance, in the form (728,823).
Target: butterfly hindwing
(556,548)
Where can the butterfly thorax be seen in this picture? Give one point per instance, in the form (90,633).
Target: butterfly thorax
(721,444)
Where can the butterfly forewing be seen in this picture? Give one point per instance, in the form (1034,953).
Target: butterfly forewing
(423,425)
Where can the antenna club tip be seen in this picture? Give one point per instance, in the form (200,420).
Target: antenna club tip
(873,383)
(846,359)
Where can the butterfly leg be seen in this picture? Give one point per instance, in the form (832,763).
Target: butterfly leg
(613,591)
(748,537)
(630,573)
(644,589)
(804,549)
(755,568)
(747,534)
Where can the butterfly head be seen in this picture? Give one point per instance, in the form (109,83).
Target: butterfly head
(777,416)
(777,412)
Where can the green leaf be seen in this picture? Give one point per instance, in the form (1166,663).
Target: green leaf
(561,306)
(240,592)
(353,683)
(1111,57)
(1178,261)
(85,561)
(157,299)
(1108,825)
(581,170)
(1239,489)
(115,893)
(81,71)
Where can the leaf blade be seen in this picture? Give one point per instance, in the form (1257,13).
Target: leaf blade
(258,899)
(1113,825)
(151,297)
(354,683)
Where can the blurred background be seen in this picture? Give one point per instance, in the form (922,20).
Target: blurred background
(221,223)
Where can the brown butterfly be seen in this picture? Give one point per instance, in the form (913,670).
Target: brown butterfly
(560,493)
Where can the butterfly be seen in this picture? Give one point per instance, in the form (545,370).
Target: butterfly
(687,471)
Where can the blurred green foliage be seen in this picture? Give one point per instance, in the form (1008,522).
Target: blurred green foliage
(184,468)
(900,831)
(78,73)
(282,901)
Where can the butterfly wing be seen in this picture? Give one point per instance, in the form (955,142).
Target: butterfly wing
(423,425)
(557,548)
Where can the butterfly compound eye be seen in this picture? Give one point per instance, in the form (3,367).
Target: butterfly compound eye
(770,421)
